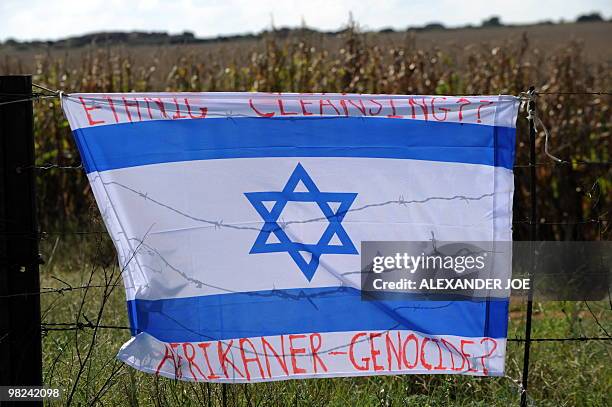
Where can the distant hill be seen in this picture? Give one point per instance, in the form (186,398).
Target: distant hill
(187,37)
(126,38)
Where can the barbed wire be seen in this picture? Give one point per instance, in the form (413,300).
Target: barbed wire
(34,96)
(570,161)
(586,221)
(43,234)
(51,166)
(608,93)
(75,326)
(60,290)
(30,98)
(579,339)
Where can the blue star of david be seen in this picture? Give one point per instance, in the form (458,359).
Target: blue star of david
(284,244)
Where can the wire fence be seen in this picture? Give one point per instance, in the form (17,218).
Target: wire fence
(112,279)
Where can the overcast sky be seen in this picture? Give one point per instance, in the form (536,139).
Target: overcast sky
(52,19)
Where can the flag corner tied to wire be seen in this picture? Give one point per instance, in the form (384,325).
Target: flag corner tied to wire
(238,220)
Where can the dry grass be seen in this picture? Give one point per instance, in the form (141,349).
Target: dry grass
(561,374)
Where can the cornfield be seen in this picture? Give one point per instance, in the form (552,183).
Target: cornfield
(357,62)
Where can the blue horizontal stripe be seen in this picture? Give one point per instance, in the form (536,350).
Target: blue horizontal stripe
(133,144)
(305,310)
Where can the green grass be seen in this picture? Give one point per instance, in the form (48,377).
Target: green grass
(562,374)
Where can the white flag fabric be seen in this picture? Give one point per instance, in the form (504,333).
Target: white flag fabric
(238,220)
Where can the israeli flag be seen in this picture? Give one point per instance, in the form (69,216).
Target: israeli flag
(238,220)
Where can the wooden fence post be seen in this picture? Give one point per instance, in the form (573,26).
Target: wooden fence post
(20,328)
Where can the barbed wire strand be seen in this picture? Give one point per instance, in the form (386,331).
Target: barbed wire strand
(570,161)
(73,326)
(28,99)
(57,93)
(43,234)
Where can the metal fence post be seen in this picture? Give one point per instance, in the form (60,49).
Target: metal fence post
(20,329)
(533,236)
